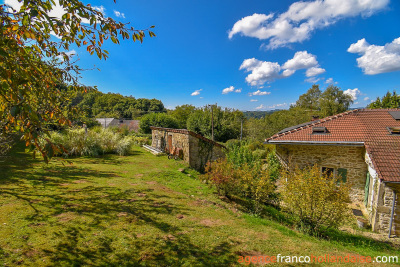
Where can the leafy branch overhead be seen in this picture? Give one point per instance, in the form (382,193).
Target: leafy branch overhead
(33,62)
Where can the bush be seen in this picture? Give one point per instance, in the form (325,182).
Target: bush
(317,200)
(260,154)
(157,119)
(250,182)
(239,154)
(95,142)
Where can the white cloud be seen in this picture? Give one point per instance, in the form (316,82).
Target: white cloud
(231,89)
(377,59)
(261,107)
(70,54)
(366,98)
(265,71)
(261,71)
(258,92)
(196,92)
(312,80)
(354,93)
(119,14)
(57,11)
(13,4)
(301,19)
(253,100)
(329,80)
(228,90)
(278,105)
(314,71)
(301,60)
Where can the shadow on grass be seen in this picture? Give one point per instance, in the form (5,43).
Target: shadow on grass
(73,219)
(92,224)
(286,224)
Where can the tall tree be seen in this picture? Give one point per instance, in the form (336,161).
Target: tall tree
(182,113)
(30,65)
(333,101)
(390,100)
(310,100)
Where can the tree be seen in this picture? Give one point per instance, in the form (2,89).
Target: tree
(32,63)
(310,100)
(158,120)
(333,101)
(390,100)
(226,122)
(182,113)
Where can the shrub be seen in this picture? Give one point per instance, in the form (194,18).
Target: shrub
(96,141)
(317,200)
(157,119)
(256,145)
(273,165)
(239,154)
(250,182)
(260,154)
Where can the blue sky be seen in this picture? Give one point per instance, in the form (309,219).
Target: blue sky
(264,53)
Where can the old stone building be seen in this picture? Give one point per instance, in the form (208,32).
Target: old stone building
(197,150)
(363,147)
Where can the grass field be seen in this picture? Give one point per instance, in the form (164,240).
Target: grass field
(138,210)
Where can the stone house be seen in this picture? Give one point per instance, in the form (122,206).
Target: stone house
(132,125)
(197,150)
(363,147)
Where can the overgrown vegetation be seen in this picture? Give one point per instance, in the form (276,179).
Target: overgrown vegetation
(317,200)
(33,63)
(243,175)
(94,142)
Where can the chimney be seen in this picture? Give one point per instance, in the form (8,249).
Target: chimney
(314,118)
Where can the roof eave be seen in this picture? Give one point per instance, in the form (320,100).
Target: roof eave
(326,143)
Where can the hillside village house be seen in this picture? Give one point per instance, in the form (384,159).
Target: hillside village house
(132,125)
(196,149)
(363,147)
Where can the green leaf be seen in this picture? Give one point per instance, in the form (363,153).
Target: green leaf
(15,111)
(3,53)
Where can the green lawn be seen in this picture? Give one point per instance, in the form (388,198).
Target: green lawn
(137,210)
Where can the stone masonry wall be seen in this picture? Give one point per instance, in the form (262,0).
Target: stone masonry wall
(384,209)
(347,157)
(180,140)
(196,152)
(201,152)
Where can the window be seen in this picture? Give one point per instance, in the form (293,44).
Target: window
(319,130)
(342,173)
(329,171)
(394,130)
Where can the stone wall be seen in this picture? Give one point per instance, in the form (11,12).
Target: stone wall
(346,157)
(196,152)
(180,140)
(201,152)
(384,209)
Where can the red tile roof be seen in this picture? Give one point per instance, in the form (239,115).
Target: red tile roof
(363,126)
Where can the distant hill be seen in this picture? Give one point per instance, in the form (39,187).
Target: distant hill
(257,114)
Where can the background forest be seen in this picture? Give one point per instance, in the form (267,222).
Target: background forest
(228,123)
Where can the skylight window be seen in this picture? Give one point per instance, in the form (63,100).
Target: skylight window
(394,130)
(319,130)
